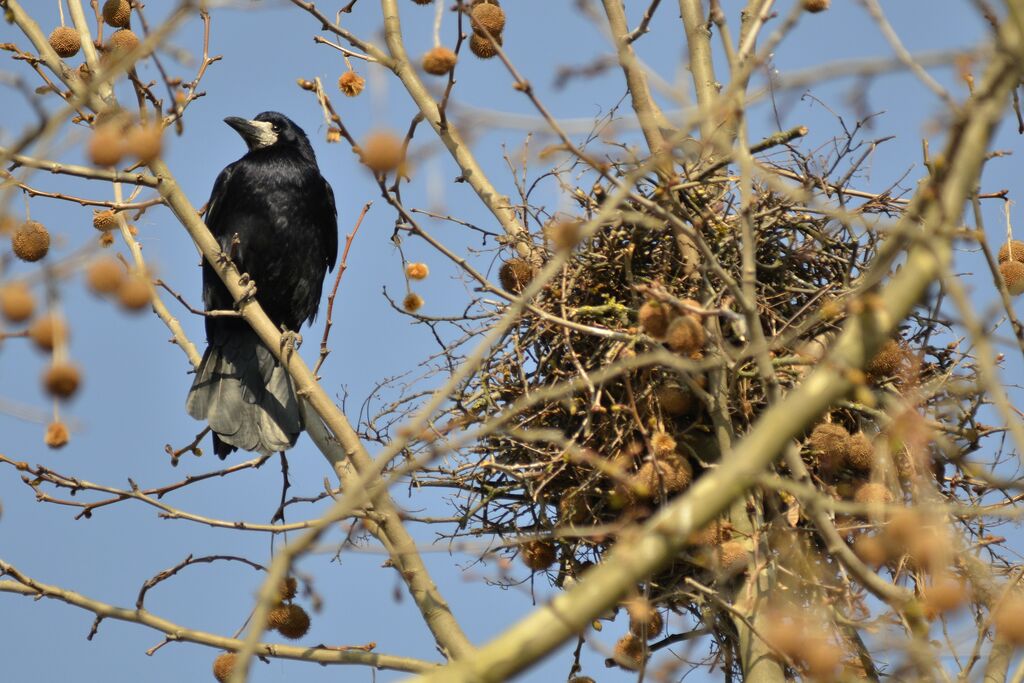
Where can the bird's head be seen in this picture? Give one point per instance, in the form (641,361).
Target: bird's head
(270,129)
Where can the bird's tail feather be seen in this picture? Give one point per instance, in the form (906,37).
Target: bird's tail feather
(245,395)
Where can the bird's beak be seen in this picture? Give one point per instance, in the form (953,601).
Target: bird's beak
(257,134)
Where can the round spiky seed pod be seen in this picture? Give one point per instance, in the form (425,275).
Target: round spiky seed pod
(106,146)
(291,621)
(831,442)
(860,453)
(16,302)
(133,293)
(675,401)
(663,444)
(106,239)
(30,241)
(581,679)
(538,555)
(946,594)
(223,666)
(1009,619)
(483,48)
(61,380)
(56,435)
(873,493)
(122,41)
(105,275)
(382,152)
(572,510)
(45,331)
(417,271)
(145,142)
(412,302)
(629,652)
(654,317)
(821,656)
(815,6)
(104,220)
(488,16)
(715,533)
(731,557)
(1013,275)
(563,235)
(644,620)
(515,274)
(439,61)
(685,335)
(351,83)
(659,476)
(1014,249)
(65,41)
(871,550)
(888,361)
(117,13)
(287,589)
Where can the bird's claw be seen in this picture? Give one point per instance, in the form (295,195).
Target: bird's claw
(289,341)
(249,293)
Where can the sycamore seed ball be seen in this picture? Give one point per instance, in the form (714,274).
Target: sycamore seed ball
(1009,620)
(860,453)
(104,220)
(663,444)
(667,475)
(123,41)
(538,555)
(629,652)
(31,241)
(287,589)
(873,493)
(482,47)
(653,317)
(417,271)
(106,146)
(1012,251)
(412,302)
(16,302)
(1013,275)
(133,293)
(61,380)
(831,443)
(644,619)
(816,5)
(104,275)
(65,41)
(291,621)
(351,83)
(675,400)
(223,666)
(439,61)
(947,593)
(888,361)
(117,13)
(515,274)
(145,142)
(488,16)
(382,152)
(46,331)
(56,435)
(732,557)
(685,335)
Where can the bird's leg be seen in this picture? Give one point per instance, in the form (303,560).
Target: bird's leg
(236,242)
(250,290)
(289,342)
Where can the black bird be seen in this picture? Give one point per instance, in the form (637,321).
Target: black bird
(282,211)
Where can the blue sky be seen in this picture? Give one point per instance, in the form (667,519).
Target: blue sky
(132,400)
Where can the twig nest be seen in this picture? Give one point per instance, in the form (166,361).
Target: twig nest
(644,620)
(1012,273)
(47,330)
(106,146)
(482,47)
(1012,251)
(65,41)
(351,84)
(56,435)
(665,475)
(873,493)
(685,335)
(515,274)
(412,302)
(117,13)
(731,557)
(439,61)
(16,302)
(538,555)
(61,380)
(888,361)
(104,220)
(654,317)
(815,6)
(223,665)
(291,621)
(31,241)
(417,271)
(122,42)
(629,652)
(488,16)
(860,453)
(382,152)
(133,293)
(1008,617)
(104,275)
(145,142)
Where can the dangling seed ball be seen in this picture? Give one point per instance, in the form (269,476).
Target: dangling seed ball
(644,619)
(423,2)
(667,475)
(654,317)
(831,442)
(417,271)
(1013,276)
(412,302)
(732,557)
(106,146)
(888,361)
(105,275)
(351,83)
(291,621)
(629,652)
(117,13)
(61,380)
(538,555)
(31,241)
(675,400)
(488,16)
(382,152)
(439,61)
(873,493)
(685,335)
(482,47)
(133,293)
(65,41)
(56,435)
(815,6)
(1012,251)
(46,331)
(145,142)
(122,41)
(871,550)
(947,593)
(663,444)
(1009,619)
(515,274)
(860,453)
(16,302)
(287,589)
(104,220)
(563,235)
(223,666)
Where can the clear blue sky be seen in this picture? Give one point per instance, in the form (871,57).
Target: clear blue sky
(132,401)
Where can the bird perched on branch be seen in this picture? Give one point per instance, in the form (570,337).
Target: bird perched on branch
(274,216)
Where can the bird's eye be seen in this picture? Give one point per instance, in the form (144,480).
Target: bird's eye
(276,128)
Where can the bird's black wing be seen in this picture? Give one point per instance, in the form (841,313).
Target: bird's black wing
(330,229)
